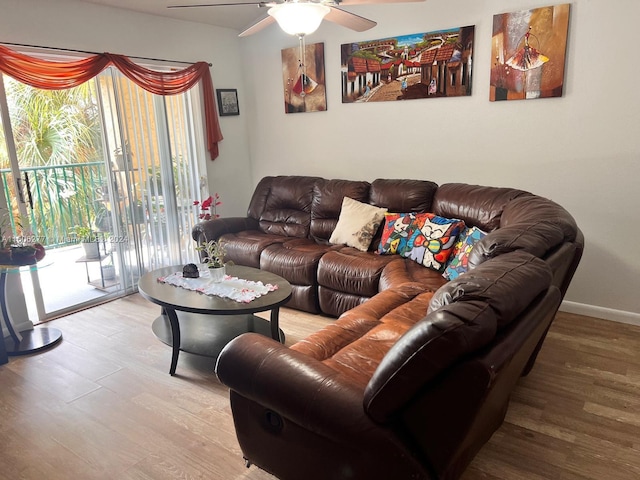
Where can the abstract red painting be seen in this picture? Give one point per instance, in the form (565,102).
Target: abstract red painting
(528,51)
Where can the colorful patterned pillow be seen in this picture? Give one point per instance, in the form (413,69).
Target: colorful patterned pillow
(458,263)
(395,233)
(431,240)
(357,224)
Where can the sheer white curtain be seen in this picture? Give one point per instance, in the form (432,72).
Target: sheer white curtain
(156,163)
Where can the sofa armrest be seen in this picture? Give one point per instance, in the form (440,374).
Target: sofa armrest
(215,228)
(297,387)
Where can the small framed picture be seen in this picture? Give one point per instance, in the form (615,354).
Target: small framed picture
(228,101)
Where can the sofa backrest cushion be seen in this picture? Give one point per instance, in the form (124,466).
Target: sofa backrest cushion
(536,238)
(282,205)
(530,223)
(327,202)
(476,205)
(464,317)
(403,196)
(528,210)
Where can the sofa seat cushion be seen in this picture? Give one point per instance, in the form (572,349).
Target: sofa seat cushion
(432,345)
(351,271)
(334,303)
(403,270)
(245,247)
(355,344)
(296,260)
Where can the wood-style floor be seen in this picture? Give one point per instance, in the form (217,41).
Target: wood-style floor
(101,405)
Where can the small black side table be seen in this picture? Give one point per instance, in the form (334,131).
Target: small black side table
(26,341)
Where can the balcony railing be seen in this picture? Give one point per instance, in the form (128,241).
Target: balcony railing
(61,197)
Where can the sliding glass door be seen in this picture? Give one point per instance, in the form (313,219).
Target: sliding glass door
(51,161)
(155,175)
(114,158)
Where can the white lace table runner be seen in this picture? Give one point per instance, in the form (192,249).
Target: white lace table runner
(231,287)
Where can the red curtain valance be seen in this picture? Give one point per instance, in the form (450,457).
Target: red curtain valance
(49,75)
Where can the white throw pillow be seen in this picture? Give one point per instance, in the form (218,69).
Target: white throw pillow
(357,224)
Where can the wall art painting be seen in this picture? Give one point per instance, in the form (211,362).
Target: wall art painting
(528,51)
(422,65)
(303,78)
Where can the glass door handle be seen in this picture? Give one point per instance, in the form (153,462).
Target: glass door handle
(19,190)
(28,185)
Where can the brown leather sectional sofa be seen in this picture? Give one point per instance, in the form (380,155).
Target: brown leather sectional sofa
(415,375)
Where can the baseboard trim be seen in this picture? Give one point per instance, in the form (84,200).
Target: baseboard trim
(601,312)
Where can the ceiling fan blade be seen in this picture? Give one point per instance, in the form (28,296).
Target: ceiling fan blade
(373,2)
(255,27)
(349,20)
(259,4)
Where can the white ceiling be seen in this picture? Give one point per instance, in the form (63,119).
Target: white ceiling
(235,17)
(238,17)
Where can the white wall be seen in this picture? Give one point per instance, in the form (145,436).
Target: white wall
(581,150)
(74,25)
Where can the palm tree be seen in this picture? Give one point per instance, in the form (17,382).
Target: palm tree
(56,128)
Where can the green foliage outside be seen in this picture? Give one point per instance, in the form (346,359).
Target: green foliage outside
(56,128)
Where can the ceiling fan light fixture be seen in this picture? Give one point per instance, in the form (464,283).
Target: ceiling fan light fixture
(299,18)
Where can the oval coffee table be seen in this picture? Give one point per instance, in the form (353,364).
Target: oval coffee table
(203,324)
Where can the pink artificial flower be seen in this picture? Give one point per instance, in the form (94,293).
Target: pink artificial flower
(207,203)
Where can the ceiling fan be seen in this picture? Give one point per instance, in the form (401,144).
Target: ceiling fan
(302,17)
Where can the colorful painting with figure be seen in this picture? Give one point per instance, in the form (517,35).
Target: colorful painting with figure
(303,77)
(422,65)
(528,51)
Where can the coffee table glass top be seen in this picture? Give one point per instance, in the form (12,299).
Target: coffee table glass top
(191,301)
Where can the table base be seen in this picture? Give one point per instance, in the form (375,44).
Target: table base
(32,341)
(207,335)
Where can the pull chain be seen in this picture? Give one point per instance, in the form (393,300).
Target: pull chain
(302,64)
